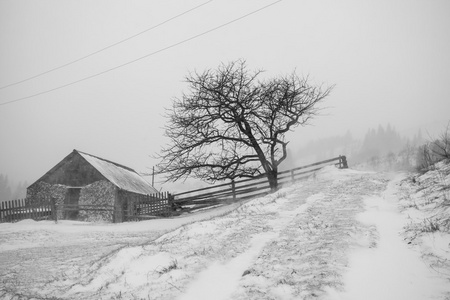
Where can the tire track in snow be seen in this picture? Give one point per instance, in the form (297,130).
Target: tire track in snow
(194,249)
(220,281)
(310,253)
(278,241)
(42,259)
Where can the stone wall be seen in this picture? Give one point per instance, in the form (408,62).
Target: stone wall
(101,193)
(42,193)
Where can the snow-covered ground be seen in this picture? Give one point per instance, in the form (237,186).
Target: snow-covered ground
(343,234)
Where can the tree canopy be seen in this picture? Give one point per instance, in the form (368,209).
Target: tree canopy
(232,123)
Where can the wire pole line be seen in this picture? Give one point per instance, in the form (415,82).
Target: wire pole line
(105,48)
(143,57)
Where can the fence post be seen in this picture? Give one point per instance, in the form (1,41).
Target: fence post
(233,189)
(1,212)
(7,212)
(292,176)
(170,199)
(343,162)
(11,215)
(29,211)
(16,210)
(53,208)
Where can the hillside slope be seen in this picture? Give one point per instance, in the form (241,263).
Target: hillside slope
(335,236)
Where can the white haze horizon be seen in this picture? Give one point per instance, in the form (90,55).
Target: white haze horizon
(388,61)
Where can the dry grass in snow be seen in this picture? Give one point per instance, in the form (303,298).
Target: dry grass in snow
(298,243)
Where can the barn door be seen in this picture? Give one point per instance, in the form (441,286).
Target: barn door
(72,200)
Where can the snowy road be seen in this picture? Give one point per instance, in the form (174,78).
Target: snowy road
(33,255)
(313,240)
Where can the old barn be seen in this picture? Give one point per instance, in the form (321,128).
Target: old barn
(89,188)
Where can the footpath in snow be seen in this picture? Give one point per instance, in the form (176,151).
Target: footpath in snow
(391,269)
(334,236)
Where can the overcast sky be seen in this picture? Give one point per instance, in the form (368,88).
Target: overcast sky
(389,60)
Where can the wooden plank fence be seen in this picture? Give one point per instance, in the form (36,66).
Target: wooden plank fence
(247,188)
(20,209)
(141,207)
(138,207)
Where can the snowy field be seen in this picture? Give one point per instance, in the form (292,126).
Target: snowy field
(343,234)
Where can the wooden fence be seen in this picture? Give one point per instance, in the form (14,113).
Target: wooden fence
(246,188)
(138,207)
(20,209)
(135,207)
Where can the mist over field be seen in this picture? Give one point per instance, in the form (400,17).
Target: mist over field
(98,76)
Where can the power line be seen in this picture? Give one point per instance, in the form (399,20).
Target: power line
(105,48)
(145,56)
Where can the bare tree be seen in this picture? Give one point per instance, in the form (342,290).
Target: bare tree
(230,124)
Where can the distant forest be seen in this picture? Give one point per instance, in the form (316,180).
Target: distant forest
(9,193)
(377,144)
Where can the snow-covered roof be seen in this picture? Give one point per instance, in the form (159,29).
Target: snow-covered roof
(121,176)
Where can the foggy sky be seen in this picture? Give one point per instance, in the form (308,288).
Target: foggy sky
(389,62)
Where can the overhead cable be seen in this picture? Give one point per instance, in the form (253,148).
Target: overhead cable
(104,48)
(142,57)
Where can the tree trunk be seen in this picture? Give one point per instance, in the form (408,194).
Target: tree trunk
(272,176)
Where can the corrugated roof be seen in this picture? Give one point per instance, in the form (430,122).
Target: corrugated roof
(121,176)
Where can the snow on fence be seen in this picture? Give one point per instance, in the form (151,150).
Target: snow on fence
(137,207)
(20,209)
(247,188)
